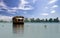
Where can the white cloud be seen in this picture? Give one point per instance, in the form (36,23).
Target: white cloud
(59,18)
(7,9)
(24,2)
(14,8)
(25,8)
(53,11)
(52,1)
(45,14)
(11,11)
(2,5)
(54,6)
(5,18)
(22,5)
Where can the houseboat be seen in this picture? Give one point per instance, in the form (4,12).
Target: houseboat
(18,20)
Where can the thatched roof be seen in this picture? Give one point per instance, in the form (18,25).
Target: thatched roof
(18,17)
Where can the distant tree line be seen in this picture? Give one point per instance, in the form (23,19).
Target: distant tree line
(42,20)
(37,20)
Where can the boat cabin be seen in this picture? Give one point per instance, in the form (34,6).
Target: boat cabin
(18,20)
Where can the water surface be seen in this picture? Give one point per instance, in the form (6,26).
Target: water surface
(30,30)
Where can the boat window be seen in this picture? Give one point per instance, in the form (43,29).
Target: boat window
(18,19)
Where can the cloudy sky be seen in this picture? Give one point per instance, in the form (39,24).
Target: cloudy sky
(30,8)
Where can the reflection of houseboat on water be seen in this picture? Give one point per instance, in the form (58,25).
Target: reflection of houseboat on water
(18,20)
(18,28)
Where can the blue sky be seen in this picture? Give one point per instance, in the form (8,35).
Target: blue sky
(30,8)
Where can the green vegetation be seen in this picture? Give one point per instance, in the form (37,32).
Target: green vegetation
(37,20)
(42,20)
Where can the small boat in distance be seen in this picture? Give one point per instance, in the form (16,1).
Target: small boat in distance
(45,26)
(18,20)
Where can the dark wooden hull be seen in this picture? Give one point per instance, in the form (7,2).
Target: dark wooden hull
(18,22)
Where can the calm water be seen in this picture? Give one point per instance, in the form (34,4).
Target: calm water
(30,30)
